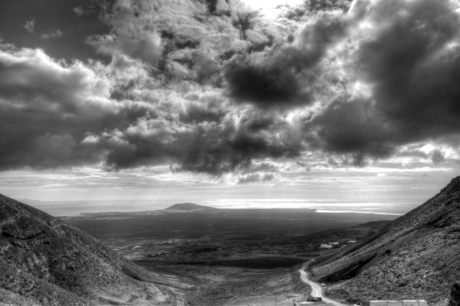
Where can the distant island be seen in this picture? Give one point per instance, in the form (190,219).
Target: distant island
(188,207)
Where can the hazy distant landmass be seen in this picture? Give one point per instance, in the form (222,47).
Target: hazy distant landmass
(189,207)
(68,208)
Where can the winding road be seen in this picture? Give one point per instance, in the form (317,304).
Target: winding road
(316,289)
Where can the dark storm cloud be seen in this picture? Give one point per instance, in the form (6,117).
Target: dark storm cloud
(56,115)
(285,78)
(210,147)
(414,69)
(265,85)
(437,157)
(125,114)
(219,150)
(204,112)
(234,141)
(145,142)
(410,61)
(46,110)
(185,88)
(351,127)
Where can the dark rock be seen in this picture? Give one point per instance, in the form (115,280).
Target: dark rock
(455,295)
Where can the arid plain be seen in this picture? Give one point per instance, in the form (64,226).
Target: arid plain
(232,256)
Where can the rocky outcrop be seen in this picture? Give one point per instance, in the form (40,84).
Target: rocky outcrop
(455,295)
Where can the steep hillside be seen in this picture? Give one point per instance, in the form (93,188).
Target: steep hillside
(44,261)
(414,257)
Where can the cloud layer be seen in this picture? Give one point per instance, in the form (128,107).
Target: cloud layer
(402,61)
(195,85)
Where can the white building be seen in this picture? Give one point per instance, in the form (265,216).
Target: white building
(398,303)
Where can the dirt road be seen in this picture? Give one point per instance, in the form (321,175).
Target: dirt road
(316,289)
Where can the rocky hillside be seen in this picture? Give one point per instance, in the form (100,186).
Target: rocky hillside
(44,261)
(414,257)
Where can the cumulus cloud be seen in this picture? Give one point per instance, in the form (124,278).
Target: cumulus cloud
(265,84)
(413,64)
(133,31)
(230,145)
(34,82)
(47,107)
(405,52)
(59,115)
(351,127)
(189,86)
(285,78)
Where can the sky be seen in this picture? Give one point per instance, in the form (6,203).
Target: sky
(338,105)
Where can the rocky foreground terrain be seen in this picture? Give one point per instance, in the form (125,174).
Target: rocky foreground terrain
(44,261)
(417,256)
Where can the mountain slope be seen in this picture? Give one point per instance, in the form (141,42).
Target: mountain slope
(414,257)
(44,261)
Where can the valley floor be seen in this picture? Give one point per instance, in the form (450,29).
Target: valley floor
(233,258)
